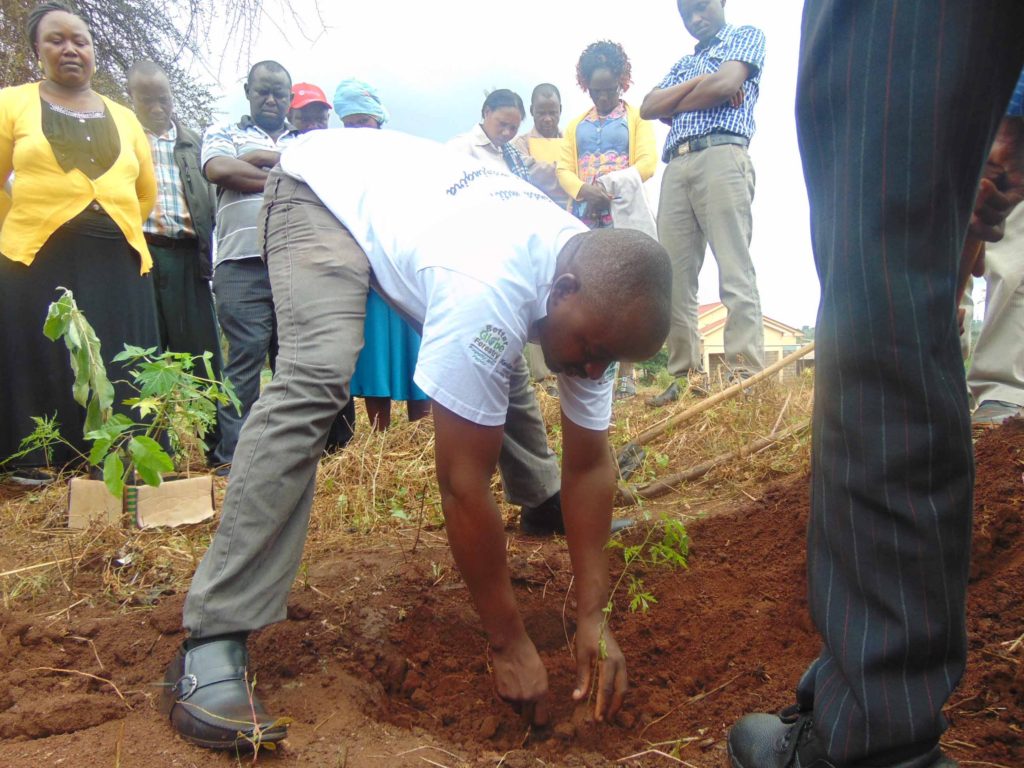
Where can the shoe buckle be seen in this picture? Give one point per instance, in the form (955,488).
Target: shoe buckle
(791,714)
(185,687)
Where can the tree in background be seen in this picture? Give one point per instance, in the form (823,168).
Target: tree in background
(169,32)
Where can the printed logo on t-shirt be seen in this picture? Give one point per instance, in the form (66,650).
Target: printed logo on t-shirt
(489,345)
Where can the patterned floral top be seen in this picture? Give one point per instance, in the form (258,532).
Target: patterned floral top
(603,146)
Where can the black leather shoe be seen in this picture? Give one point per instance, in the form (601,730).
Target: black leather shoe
(630,459)
(546,519)
(787,740)
(209,703)
(670,395)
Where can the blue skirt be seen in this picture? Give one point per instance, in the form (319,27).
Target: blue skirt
(388,359)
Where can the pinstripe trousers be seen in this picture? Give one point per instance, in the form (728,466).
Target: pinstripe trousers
(897,103)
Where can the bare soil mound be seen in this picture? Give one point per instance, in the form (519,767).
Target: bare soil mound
(382,660)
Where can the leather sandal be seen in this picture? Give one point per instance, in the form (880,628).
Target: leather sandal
(209,701)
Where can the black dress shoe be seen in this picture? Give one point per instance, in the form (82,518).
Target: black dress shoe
(630,459)
(787,740)
(670,395)
(543,520)
(208,700)
(546,519)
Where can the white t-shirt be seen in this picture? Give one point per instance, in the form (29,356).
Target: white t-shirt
(468,250)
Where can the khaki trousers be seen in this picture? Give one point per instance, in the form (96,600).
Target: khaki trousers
(705,199)
(997,367)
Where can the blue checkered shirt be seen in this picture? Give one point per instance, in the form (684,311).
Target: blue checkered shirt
(1016,108)
(170,216)
(744,44)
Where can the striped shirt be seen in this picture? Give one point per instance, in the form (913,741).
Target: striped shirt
(237,211)
(170,216)
(744,44)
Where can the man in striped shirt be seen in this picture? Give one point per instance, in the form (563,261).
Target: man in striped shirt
(708,100)
(236,157)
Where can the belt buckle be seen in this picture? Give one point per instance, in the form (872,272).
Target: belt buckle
(683,149)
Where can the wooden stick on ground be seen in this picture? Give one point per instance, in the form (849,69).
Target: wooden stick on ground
(665,485)
(37,565)
(726,394)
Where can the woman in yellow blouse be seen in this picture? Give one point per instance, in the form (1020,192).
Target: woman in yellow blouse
(610,136)
(83,184)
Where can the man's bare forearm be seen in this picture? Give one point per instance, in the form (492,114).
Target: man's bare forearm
(663,103)
(477,539)
(234,174)
(702,92)
(588,487)
(707,94)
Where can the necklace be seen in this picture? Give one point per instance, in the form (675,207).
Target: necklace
(83,115)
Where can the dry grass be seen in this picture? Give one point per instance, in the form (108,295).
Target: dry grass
(758,412)
(381,491)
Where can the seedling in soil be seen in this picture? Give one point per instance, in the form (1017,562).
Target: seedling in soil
(438,571)
(256,738)
(670,551)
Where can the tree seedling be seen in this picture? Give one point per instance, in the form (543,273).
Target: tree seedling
(171,402)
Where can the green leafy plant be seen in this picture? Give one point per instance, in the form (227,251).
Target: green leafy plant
(171,401)
(670,551)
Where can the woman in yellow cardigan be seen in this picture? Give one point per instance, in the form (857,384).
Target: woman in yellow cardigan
(610,136)
(83,184)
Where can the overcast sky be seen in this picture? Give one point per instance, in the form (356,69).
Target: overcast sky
(434,62)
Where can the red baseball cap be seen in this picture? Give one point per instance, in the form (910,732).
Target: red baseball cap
(307,93)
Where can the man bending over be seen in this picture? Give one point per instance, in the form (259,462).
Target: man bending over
(483,263)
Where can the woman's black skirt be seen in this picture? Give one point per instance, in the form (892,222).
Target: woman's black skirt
(91,257)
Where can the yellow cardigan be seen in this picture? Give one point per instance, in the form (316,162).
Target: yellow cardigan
(643,155)
(44,197)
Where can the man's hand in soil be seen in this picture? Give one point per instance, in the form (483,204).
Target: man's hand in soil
(611,670)
(521,680)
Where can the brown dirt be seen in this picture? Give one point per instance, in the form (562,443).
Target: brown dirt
(382,661)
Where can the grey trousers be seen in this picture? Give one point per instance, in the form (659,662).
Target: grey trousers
(529,469)
(320,279)
(705,199)
(245,309)
(535,362)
